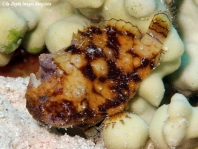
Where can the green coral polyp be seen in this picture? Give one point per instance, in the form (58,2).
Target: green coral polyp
(13,38)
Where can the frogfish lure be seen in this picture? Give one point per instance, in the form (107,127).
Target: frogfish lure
(97,74)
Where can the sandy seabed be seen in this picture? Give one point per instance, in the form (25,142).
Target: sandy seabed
(18,130)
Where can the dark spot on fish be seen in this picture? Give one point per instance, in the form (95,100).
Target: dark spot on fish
(88,72)
(145,62)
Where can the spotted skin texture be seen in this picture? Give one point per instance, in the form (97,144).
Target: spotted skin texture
(97,74)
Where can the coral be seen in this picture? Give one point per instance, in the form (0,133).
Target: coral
(5,58)
(127,125)
(142,108)
(34,40)
(173,125)
(185,78)
(31,20)
(59,36)
(87,4)
(140,8)
(12,31)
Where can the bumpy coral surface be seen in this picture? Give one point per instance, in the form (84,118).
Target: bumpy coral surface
(174,125)
(121,124)
(97,74)
(185,78)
